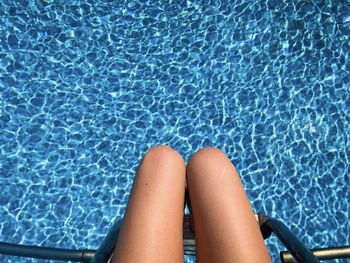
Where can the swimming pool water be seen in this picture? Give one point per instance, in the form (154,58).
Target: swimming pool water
(87,87)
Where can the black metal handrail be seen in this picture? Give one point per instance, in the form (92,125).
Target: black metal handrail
(297,251)
(300,253)
(105,250)
(321,253)
(79,255)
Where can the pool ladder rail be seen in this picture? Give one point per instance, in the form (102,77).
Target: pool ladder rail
(297,252)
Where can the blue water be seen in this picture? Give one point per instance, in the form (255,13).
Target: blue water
(86,88)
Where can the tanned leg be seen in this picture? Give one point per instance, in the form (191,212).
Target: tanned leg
(153,223)
(224,223)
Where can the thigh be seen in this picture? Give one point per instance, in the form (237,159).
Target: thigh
(224,223)
(153,222)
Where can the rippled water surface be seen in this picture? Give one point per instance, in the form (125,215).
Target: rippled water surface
(87,87)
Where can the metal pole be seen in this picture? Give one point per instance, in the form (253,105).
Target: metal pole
(46,253)
(300,253)
(321,253)
(106,249)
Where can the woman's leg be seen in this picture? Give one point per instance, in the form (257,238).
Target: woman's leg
(224,223)
(153,223)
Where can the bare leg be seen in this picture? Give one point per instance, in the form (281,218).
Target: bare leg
(152,229)
(224,223)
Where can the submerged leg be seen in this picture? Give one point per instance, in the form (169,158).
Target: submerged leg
(152,229)
(224,223)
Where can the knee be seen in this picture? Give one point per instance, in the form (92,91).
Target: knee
(208,157)
(161,154)
(207,154)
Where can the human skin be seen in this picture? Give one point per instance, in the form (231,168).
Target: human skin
(223,220)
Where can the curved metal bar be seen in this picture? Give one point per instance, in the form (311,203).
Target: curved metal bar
(106,249)
(300,253)
(46,253)
(321,253)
